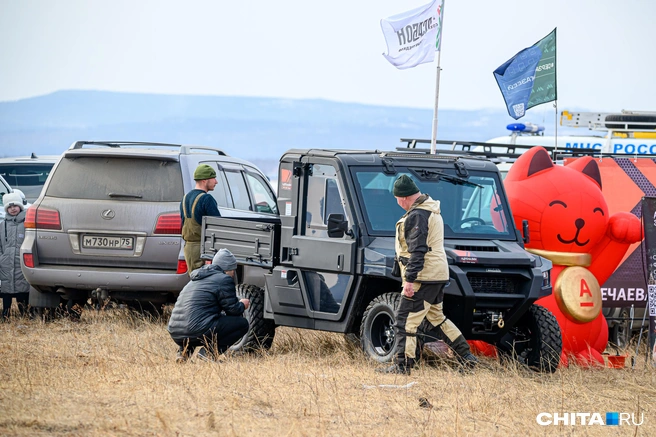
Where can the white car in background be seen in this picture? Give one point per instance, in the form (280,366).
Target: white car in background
(4,189)
(27,173)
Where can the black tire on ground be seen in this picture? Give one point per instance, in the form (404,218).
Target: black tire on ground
(261,331)
(43,314)
(620,334)
(621,121)
(535,341)
(377,336)
(40,299)
(147,309)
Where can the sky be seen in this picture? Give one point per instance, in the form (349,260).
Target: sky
(303,49)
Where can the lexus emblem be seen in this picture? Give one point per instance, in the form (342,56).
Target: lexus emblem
(108,214)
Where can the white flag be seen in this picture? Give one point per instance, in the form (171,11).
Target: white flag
(413,37)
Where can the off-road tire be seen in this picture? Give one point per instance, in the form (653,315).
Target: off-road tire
(620,334)
(148,310)
(377,336)
(260,330)
(535,341)
(621,120)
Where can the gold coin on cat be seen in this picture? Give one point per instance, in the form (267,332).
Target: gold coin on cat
(578,294)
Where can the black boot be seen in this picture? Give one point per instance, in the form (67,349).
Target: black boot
(468,361)
(401,367)
(394,368)
(184,353)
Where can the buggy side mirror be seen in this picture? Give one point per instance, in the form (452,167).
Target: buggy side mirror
(338,226)
(525,231)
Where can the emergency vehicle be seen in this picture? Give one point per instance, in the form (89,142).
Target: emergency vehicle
(628,132)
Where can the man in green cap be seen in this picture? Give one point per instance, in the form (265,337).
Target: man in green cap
(195,204)
(419,246)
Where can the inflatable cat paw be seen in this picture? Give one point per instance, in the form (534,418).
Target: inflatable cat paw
(570,224)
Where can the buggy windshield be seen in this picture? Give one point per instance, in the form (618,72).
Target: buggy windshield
(471,207)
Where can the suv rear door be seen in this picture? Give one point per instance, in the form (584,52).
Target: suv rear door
(111,211)
(241,188)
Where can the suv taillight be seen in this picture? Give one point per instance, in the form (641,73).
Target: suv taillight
(30,218)
(42,218)
(28,260)
(182,267)
(168,224)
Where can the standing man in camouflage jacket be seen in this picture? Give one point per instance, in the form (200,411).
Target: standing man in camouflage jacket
(424,273)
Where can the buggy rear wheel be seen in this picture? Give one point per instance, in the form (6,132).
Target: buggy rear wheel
(260,330)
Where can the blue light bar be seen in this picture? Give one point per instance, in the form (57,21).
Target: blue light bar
(525,127)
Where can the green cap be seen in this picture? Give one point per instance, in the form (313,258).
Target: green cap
(203,172)
(404,187)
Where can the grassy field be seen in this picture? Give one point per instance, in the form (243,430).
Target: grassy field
(113,374)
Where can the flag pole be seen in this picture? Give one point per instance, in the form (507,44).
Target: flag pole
(437,78)
(556,129)
(437,95)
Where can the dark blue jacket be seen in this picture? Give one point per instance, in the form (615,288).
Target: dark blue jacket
(206,206)
(201,302)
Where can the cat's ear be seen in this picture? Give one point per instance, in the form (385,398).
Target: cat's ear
(588,166)
(533,161)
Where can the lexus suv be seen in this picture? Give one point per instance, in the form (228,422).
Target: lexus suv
(107,222)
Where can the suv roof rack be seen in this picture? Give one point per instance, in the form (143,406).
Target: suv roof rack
(489,150)
(497,153)
(184,149)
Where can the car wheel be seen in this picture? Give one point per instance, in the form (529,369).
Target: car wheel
(620,334)
(535,341)
(261,331)
(377,336)
(148,310)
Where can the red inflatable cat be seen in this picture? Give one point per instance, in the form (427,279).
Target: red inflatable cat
(570,224)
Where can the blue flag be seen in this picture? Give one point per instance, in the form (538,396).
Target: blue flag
(529,78)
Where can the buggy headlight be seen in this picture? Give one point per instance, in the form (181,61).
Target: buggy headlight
(546,278)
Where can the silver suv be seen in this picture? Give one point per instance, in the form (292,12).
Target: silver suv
(107,223)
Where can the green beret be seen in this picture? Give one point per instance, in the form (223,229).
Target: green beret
(404,187)
(203,172)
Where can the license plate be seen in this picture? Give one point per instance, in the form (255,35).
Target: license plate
(107,242)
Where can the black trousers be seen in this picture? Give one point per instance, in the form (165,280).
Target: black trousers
(224,333)
(420,319)
(21,300)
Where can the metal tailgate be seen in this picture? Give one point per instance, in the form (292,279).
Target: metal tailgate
(252,241)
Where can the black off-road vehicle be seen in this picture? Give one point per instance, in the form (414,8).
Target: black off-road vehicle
(326,262)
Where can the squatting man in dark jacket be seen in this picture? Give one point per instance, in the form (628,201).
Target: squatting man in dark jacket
(207,312)
(419,246)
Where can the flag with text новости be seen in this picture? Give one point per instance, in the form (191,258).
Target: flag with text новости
(529,78)
(413,37)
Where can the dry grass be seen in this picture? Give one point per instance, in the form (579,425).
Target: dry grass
(114,374)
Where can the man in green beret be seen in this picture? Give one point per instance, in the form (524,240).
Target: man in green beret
(419,246)
(195,204)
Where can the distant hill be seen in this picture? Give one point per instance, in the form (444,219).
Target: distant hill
(257,129)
